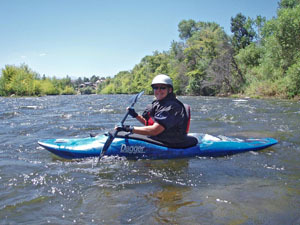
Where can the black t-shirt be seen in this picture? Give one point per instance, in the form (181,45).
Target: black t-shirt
(169,113)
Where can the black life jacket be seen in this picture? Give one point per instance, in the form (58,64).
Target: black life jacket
(150,121)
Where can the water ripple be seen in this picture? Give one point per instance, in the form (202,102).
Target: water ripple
(255,187)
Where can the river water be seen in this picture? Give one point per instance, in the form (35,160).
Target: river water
(250,188)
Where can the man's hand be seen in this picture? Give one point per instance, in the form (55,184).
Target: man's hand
(125,128)
(132,112)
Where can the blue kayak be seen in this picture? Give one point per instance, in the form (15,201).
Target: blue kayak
(134,146)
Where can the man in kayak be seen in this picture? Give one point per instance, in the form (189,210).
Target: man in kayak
(166,119)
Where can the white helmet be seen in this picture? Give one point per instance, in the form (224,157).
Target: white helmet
(162,79)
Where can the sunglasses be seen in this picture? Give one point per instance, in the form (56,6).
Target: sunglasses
(160,88)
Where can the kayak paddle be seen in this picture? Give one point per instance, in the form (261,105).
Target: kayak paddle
(111,137)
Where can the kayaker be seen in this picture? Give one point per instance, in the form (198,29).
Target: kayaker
(166,119)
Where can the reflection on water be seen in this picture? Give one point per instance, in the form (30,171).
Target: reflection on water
(250,188)
(168,203)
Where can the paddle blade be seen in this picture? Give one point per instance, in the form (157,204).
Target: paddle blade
(134,99)
(139,95)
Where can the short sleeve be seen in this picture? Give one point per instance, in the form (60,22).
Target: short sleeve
(167,117)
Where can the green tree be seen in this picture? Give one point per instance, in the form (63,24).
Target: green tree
(195,82)
(292,80)
(258,24)
(271,67)
(201,50)
(17,80)
(94,78)
(22,84)
(262,57)
(7,75)
(186,29)
(48,87)
(78,82)
(242,30)
(68,90)
(284,4)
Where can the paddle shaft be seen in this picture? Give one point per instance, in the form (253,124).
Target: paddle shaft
(111,137)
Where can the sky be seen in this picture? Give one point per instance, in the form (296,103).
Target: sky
(82,38)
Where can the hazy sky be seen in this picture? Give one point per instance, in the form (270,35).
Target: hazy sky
(103,37)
